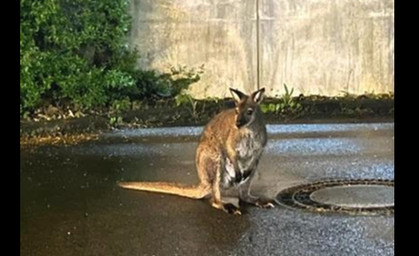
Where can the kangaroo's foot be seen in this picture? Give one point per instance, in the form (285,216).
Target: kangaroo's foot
(232,209)
(227,207)
(265,203)
(259,202)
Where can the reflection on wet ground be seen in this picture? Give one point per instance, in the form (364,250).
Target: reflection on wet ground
(70,204)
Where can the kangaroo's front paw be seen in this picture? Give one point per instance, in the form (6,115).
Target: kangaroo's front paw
(265,203)
(232,209)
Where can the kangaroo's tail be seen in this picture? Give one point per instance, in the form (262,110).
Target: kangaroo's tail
(195,192)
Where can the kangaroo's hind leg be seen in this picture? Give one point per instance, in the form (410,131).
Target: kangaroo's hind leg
(218,203)
(216,200)
(209,166)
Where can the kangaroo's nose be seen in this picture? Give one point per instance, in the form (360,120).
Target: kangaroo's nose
(240,122)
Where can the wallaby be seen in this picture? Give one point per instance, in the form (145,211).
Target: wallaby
(227,155)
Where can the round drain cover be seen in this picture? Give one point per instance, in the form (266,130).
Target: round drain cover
(356,196)
(346,196)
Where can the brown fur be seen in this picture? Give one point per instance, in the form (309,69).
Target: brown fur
(227,155)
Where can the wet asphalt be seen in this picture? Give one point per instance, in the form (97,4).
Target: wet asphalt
(70,204)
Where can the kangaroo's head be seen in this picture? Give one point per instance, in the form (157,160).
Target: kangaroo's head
(247,107)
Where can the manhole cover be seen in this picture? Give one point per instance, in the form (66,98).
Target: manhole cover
(345,196)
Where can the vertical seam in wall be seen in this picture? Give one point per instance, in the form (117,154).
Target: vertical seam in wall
(257,47)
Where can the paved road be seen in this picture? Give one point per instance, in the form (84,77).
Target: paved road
(70,204)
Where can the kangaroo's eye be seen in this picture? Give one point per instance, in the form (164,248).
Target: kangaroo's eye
(249,111)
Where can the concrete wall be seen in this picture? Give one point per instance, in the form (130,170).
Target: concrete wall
(314,46)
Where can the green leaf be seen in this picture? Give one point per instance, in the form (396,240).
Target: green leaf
(286,89)
(264,108)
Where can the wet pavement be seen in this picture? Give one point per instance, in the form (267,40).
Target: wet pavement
(70,204)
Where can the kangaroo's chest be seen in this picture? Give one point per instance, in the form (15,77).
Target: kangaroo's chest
(248,150)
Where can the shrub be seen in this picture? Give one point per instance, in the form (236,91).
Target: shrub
(75,51)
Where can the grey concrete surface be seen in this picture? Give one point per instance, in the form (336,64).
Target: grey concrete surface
(70,204)
(314,46)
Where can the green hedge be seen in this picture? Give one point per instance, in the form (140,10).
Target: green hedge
(76,51)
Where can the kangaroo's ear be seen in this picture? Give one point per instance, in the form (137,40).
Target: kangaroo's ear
(237,95)
(257,96)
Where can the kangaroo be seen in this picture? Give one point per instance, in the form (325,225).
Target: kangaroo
(227,155)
